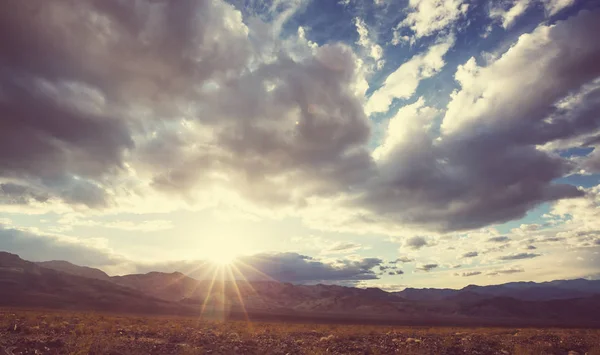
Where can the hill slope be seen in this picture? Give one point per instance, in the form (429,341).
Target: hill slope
(67,267)
(26,284)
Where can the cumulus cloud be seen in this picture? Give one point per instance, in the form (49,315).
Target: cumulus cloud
(15,194)
(486,166)
(104,92)
(519,256)
(106,101)
(426,17)
(577,221)
(415,242)
(404,81)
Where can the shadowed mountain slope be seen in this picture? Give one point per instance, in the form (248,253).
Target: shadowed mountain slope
(27,284)
(67,267)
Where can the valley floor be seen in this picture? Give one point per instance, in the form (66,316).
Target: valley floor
(54,332)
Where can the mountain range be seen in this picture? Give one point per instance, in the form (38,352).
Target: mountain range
(62,285)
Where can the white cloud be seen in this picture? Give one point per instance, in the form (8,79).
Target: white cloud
(508,15)
(397,38)
(277,127)
(426,17)
(554,6)
(507,90)
(409,120)
(403,82)
(368,43)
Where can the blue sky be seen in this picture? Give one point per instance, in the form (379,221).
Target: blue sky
(420,143)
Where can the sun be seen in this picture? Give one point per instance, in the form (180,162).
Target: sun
(222,252)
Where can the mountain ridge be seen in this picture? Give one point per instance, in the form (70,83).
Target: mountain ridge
(24,283)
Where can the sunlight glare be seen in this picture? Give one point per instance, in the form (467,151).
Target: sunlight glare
(222,252)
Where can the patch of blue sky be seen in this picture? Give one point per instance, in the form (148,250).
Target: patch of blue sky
(325,22)
(585,181)
(576,152)
(534,216)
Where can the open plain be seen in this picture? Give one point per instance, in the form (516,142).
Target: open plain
(63,332)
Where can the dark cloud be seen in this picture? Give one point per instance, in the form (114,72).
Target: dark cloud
(531,247)
(470,254)
(519,256)
(388,267)
(500,239)
(68,119)
(15,194)
(402,259)
(415,242)
(179,93)
(284,267)
(427,267)
(469,273)
(292,267)
(486,166)
(505,271)
(397,272)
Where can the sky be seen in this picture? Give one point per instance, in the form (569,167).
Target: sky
(376,143)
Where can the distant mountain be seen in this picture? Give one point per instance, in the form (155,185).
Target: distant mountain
(67,267)
(63,285)
(167,286)
(26,284)
(426,294)
(530,291)
(261,295)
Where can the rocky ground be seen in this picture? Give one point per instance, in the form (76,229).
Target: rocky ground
(36,332)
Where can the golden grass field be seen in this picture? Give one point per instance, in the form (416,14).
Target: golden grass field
(61,332)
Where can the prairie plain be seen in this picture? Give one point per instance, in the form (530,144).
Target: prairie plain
(66,332)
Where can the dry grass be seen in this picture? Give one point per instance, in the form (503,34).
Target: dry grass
(40,332)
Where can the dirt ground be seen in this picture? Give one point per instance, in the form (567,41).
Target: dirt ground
(41,332)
